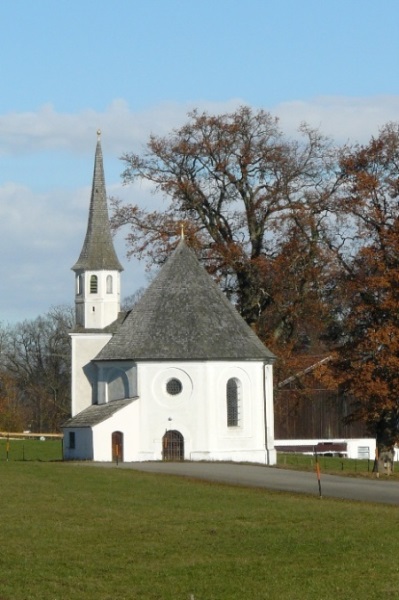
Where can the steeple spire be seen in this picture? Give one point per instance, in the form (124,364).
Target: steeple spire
(98,250)
(97,270)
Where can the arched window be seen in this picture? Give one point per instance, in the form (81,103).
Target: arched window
(109,284)
(93,284)
(233,393)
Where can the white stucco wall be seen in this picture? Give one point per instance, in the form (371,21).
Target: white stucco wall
(97,310)
(126,421)
(84,347)
(199,412)
(83,449)
(116,380)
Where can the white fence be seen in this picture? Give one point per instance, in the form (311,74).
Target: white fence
(361,448)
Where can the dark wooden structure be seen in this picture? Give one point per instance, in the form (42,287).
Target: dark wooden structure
(313,414)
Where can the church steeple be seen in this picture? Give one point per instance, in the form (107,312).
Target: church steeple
(97,297)
(98,250)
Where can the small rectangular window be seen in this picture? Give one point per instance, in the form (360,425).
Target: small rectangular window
(72,440)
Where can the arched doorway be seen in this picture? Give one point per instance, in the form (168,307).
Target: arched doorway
(173,446)
(117,446)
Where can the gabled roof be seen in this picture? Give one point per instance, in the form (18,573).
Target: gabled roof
(184,315)
(96,413)
(98,252)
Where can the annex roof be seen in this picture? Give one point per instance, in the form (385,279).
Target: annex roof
(98,252)
(96,413)
(184,315)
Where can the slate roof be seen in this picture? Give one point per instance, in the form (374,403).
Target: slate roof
(111,328)
(184,315)
(96,413)
(98,252)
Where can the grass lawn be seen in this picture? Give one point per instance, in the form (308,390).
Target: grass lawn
(328,464)
(76,531)
(333,465)
(30,449)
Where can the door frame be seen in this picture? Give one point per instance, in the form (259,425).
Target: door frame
(117,446)
(172,446)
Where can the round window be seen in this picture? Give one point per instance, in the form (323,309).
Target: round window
(174,387)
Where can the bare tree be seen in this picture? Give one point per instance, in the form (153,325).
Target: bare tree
(35,355)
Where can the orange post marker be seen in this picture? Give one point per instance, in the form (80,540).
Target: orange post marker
(318,473)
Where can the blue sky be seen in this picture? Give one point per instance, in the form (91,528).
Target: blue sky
(129,67)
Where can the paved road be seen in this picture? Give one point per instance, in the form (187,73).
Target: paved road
(348,488)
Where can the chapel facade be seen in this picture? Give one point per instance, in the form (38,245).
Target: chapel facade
(181,376)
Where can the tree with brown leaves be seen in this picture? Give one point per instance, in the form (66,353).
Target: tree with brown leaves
(254,206)
(366,362)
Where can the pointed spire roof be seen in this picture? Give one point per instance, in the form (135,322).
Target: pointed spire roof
(184,315)
(98,252)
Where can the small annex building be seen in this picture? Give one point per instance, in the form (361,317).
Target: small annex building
(180,376)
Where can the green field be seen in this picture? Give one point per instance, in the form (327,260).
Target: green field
(30,449)
(328,464)
(79,531)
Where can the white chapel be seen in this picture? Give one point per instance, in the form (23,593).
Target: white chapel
(181,376)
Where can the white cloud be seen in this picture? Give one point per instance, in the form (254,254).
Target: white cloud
(123,129)
(341,118)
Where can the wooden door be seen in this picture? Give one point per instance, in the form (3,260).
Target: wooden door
(117,446)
